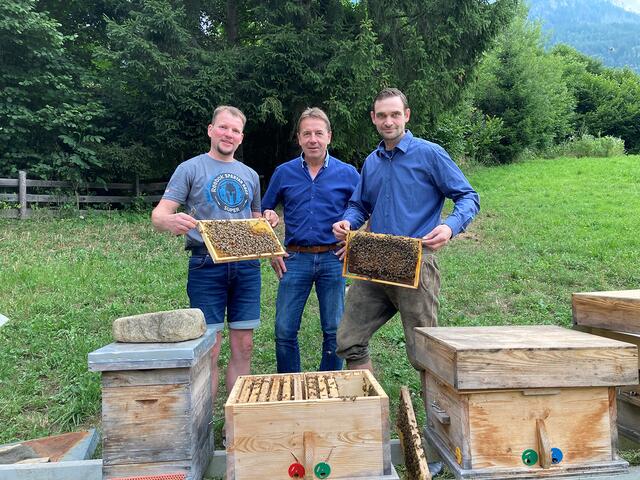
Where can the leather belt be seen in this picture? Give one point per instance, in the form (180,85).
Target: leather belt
(312,248)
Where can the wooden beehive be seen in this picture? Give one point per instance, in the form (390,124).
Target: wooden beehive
(339,418)
(614,315)
(388,257)
(156,407)
(523,402)
(241,235)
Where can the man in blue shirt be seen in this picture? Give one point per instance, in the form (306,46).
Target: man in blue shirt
(314,190)
(404,183)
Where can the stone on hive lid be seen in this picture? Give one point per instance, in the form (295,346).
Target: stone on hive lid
(160,327)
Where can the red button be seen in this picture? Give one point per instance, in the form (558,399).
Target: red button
(296,470)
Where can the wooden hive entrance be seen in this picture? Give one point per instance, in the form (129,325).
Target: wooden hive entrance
(523,402)
(329,425)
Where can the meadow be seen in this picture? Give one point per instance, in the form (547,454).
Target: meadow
(547,228)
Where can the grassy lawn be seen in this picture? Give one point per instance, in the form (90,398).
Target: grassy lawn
(547,228)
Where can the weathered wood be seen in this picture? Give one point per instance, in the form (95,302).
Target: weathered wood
(615,310)
(276,385)
(298,392)
(261,437)
(483,358)
(128,378)
(22,193)
(333,387)
(633,338)
(544,444)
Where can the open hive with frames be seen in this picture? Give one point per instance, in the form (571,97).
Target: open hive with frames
(239,239)
(381,258)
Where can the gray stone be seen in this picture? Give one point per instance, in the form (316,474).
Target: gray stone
(16,453)
(160,327)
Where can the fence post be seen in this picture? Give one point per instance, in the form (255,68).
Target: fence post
(22,193)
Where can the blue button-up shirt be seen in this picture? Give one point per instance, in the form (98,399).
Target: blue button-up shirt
(403,190)
(311,206)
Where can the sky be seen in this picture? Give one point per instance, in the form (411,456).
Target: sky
(633,5)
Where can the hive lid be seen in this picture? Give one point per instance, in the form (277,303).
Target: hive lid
(148,356)
(542,356)
(616,310)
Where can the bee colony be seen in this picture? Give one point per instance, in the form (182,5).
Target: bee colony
(389,259)
(237,239)
(614,315)
(523,401)
(329,425)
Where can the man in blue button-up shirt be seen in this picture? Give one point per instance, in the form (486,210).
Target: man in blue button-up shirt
(314,190)
(404,183)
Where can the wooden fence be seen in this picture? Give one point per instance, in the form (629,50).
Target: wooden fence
(100,194)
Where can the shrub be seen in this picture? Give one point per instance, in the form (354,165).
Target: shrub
(588,146)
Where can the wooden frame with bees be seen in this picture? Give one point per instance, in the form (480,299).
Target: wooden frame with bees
(392,253)
(239,239)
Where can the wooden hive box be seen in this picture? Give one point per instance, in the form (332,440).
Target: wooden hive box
(156,407)
(614,315)
(523,402)
(340,419)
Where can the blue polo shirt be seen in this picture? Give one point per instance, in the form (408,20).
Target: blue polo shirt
(403,190)
(311,206)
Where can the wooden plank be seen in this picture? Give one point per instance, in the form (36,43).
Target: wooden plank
(128,378)
(544,444)
(503,425)
(322,387)
(255,389)
(263,440)
(245,393)
(615,310)
(525,357)
(22,193)
(286,388)
(276,387)
(633,338)
(311,381)
(8,197)
(333,387)
(264,390)
(139,423)
(9,182)
(298,388)
(42,198)
(415,459)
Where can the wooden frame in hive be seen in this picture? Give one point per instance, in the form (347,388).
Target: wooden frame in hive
(340,418)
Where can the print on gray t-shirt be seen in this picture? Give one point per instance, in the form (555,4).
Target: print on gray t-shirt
(211,189)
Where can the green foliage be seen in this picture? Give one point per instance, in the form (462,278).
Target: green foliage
(47,116)
(587,146)
(522,85)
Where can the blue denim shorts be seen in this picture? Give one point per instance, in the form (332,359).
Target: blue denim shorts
(232,287)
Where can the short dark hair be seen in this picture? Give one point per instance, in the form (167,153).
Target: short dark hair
(314,112)
(388,93)
(232,110)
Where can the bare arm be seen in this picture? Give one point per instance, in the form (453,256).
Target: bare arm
(165,218)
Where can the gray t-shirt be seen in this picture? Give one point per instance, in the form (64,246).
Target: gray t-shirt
(211,189)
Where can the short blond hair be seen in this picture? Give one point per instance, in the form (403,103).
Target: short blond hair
(236,112)
(314,112)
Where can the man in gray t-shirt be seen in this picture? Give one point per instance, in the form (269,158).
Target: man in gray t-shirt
(215,185)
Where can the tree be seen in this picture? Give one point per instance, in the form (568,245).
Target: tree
(48,120)
(522,85)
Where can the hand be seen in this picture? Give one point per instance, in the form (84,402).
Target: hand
(179,223)
(341,228)
(271,217)
(277,263)
(438,237)
(341,251)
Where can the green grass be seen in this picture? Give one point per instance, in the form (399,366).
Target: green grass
(547,228)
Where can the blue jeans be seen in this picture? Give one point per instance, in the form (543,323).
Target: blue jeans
(303,270)
(232,287)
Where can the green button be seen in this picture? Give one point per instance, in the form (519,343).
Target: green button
(529,457)
(322,470)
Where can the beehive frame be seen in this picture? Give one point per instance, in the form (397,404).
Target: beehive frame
(256,224)
(341,418)
(345,266)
